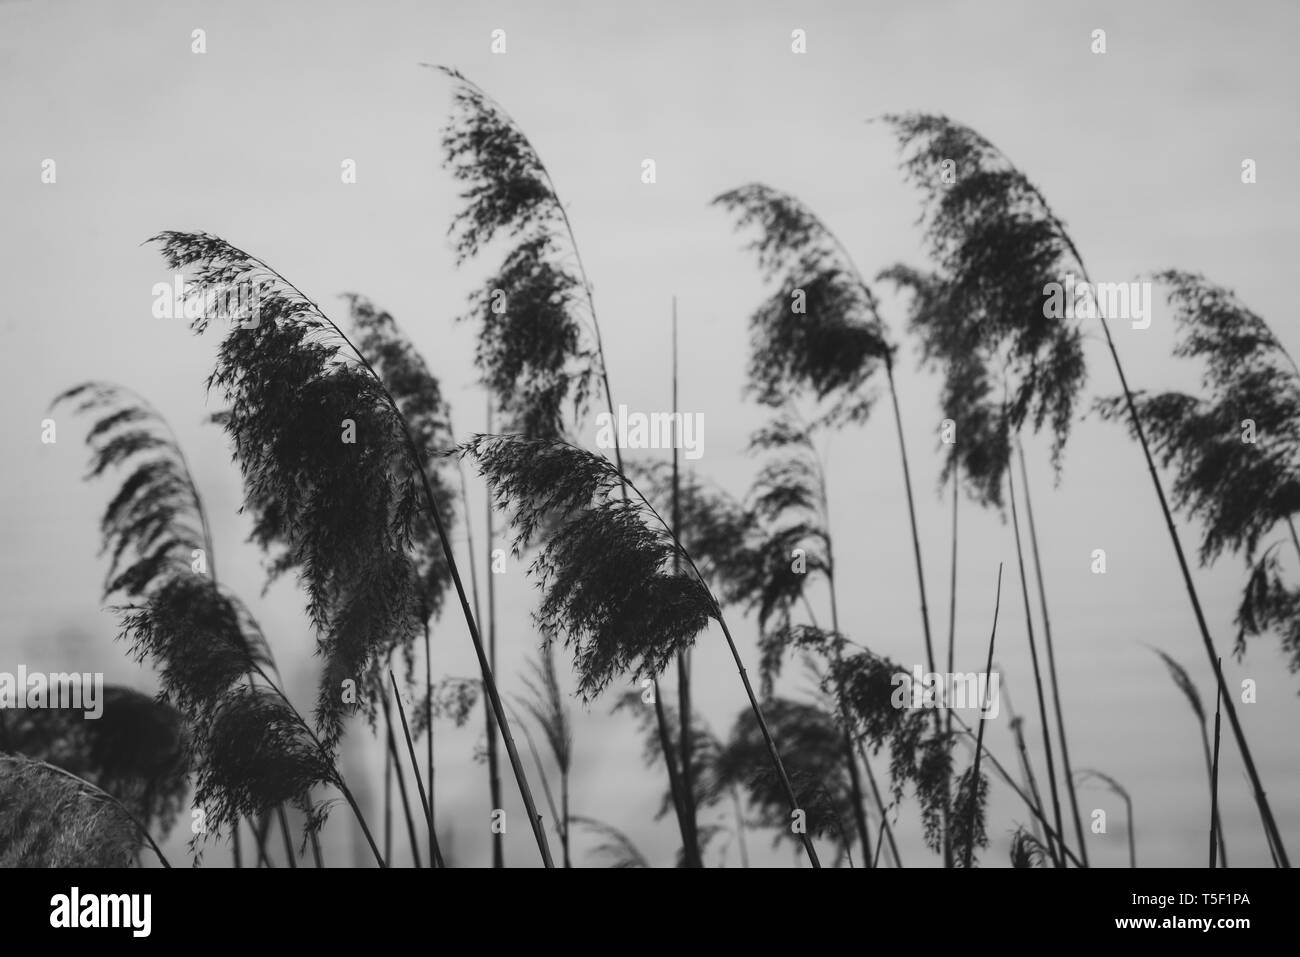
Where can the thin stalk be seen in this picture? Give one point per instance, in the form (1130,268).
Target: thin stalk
(855,780)
(288,838)
(850,759)
(388,803)
(415,770)
(1211,773)
(494,779)
(1033,653)
(674,778)
(401,782)
(1051,659)
(317,858)
(859,807)
(361,819)
(1026,766)
(1214,778)
(920,581)
(428,731)
(494,772)
(911,514)
(683,656)
(767,737)
(564,810)
(884,816)
(952,619)
(979,738)
(1132,836)
(262,829)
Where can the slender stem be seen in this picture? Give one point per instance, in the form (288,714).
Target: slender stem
(316,856)
(855,789)
(401,781)
(415,770)
(1214,776)
(262,828)
(1033,654)
(771,744)
(494,772)
(674,778)
(494,776)
(1051,659)
(850,759)
(1210,773)
(428,735)
(979,738)
(920,582)
(288,838)
(564,811)
(1026,767)
(683,656)
(952,619)
(361,819)
(388,803)
(911,514)
(1132,838)
(880,804)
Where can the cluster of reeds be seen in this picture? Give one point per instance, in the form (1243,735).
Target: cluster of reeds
(634,562)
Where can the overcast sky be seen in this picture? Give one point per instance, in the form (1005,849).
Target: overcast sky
(1139,150)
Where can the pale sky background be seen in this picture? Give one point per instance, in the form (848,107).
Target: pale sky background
(1139,150)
